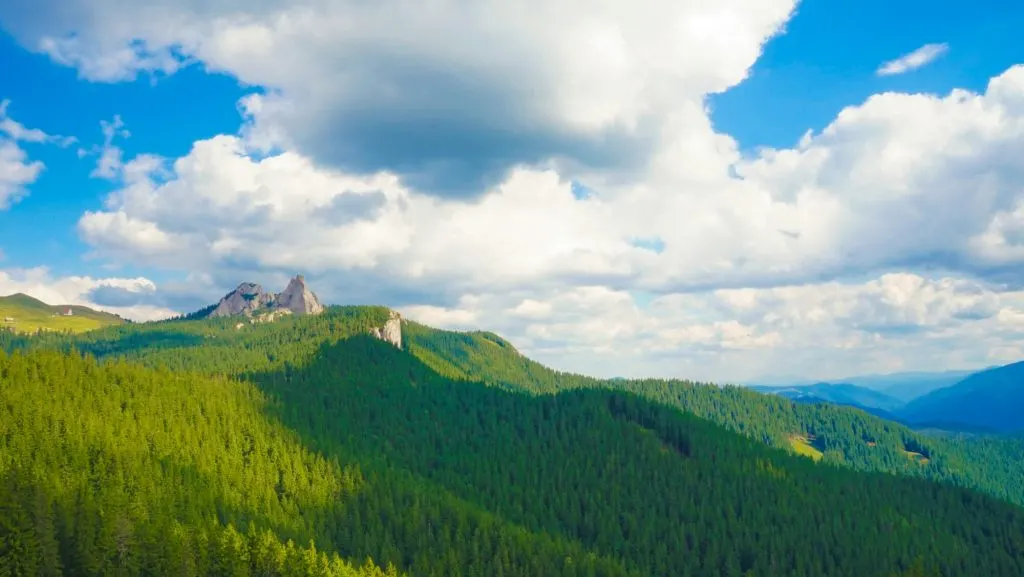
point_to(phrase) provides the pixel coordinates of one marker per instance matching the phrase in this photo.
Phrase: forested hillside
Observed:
(359, 449)
(841, 436)
(112, 469)
(838, 435)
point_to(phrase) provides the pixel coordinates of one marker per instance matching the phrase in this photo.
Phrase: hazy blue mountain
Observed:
(840, 394)
(989, 400)
(903, 387)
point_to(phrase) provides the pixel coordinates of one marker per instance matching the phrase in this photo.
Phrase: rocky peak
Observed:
(250, 299)
(298, 299)
(245, 299)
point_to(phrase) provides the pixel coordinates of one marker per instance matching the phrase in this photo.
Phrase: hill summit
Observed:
(250, 298)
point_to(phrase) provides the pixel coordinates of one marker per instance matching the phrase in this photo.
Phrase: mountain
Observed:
(990, 400)
(250, 299)
(23, 313)
(837, 435)
(909, 386)
(310, 445)
(840, 394)
(904, 386)
(866, 440)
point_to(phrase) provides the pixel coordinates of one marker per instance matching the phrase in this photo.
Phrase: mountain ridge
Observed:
(363, 450)
(990, 399)
(839, 393)
(23, 313)
(845, 436)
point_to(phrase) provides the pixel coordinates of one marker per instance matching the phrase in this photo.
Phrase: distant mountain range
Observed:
(987, 401)
(903, 386)
(840, 394)
(992, 399)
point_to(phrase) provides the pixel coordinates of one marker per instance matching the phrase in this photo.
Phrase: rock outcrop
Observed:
(391, 332)
(250, 299)
(298, 299)
(259, 306)
(244, 300)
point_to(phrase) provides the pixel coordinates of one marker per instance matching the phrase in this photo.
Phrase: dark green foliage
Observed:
(327, 437)
(848, 437)
(117, 469)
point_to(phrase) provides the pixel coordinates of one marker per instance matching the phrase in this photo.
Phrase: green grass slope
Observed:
(29, 315)
(355, 449)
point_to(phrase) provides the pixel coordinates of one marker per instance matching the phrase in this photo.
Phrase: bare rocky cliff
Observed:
(244, 300)
(298, 298)
(250, 299)
(391, 332)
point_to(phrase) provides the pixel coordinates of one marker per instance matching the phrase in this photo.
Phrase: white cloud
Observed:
(912, 61)
(17, 131)
(447, 95)
(425, 158)
(76, 290)
(895, 321)
(899, 180)
(16, 170)
(110, 162)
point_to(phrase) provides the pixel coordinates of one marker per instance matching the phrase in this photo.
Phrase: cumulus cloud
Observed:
(896, 182)
(831, 329)
(912, 61)
(109, 163)
(448, 97)
(81, 290)
(533, 167)
(16, 170)
(17, 131)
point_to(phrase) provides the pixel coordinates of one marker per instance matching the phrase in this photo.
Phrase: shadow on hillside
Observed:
(129, 344)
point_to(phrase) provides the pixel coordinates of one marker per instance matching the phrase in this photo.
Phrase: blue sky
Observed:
(165, 115)
(484, 223)
(828, 57)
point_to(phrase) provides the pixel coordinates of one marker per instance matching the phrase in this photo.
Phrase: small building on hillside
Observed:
(8, 320)
(69, 312)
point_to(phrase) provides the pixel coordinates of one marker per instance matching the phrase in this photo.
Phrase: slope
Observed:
(113, 469)
(842, 436)
(23, 313)
(362, 448)
(990, 399)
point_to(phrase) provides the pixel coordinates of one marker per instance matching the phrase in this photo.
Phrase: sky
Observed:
(744, 190)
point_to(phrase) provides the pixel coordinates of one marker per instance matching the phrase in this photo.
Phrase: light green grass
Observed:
(30, 315)
(801, 445)
(921, 459)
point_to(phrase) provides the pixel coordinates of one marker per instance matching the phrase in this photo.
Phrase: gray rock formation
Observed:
(245, 299)
(298, 299)
(250, 299)
(391, 331)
